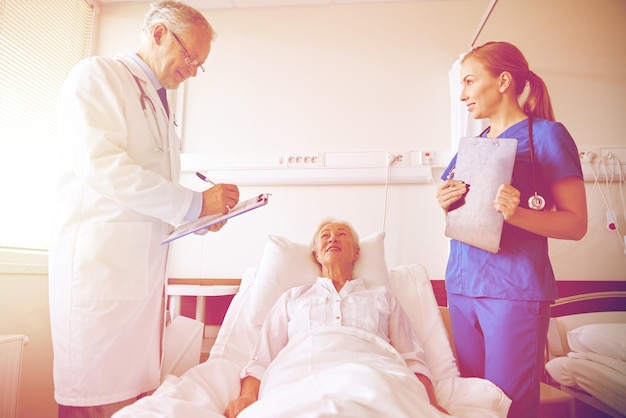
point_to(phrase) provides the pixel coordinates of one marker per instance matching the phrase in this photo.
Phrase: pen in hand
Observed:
(204, 178)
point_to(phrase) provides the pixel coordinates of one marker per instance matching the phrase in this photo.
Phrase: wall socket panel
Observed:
(619, 154)
(399, 158)
(426, 157)
(587, 156)
(433, 158)
(303, 160)
(603, 163)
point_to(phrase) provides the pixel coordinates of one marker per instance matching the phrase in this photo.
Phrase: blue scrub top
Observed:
(521, 269)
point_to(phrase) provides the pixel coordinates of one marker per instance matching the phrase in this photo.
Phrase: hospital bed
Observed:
(587, 349)
(206, 389)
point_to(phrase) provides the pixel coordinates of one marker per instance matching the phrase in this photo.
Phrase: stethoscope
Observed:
(153, 122)
(536, 201)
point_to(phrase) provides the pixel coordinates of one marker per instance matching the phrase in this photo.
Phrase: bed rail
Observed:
(614, 300)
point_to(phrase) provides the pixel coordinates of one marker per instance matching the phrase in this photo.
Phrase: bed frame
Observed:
(574, 311)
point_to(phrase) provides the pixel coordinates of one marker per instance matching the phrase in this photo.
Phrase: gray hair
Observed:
(327, 221)
(176, 16)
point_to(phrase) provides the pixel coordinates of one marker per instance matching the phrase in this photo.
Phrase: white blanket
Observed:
(344, 372)
(340, 372)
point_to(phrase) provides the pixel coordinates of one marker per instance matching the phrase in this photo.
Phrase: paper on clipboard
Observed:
(207, 221)
(484, 164)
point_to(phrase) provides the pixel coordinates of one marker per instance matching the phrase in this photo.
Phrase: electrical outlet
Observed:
(398, 158)
(311, 160)
(426, 157)
(616, 155)
(587, 156)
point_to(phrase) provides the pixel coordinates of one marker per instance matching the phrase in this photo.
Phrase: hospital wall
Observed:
(375, 77)
(353, 78)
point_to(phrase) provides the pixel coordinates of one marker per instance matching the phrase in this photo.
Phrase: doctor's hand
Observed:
(451, 192)
(507, 200)
(219, 199)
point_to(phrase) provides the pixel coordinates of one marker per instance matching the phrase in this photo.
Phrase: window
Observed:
(40, 41)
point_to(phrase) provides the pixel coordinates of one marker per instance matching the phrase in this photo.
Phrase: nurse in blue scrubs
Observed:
(500, 303)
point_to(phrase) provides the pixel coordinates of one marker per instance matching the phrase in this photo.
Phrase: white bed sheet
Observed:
(602, 377)
(205, 390)
(356, 375)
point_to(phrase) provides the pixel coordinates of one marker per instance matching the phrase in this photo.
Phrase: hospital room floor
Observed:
(560, 411)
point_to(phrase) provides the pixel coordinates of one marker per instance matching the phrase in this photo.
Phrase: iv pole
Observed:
(462, 123)
(482, 22)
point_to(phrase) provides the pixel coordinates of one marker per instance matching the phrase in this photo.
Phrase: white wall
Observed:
(375, 77)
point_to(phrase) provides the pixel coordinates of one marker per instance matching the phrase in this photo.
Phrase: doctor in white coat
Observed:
(118, 198)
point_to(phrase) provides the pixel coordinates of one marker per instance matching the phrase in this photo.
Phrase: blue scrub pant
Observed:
(503, 341)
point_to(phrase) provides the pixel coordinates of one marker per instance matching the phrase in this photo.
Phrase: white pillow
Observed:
(412, 286)
(286, 264)
(605, 339)
(559, 370)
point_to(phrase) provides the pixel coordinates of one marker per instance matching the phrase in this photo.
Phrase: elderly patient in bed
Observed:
(335, 312)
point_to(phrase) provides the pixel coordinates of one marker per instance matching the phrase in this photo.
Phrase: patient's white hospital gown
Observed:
(300, 310)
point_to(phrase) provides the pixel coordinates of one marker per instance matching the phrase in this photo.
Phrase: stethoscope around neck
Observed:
(153, 123)
(536, 201)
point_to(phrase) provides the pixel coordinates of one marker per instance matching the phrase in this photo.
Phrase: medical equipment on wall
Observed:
(609, 167)
(153, 123)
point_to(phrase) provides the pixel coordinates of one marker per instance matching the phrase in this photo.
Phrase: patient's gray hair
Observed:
(176, 17)
(327, 221)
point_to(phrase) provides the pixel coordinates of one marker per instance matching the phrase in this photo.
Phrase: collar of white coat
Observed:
(140, 69)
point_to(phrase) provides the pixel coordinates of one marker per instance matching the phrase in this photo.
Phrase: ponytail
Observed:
(538, 102)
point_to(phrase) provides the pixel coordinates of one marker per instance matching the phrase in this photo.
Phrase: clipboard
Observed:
(484, 164)
(206, 221)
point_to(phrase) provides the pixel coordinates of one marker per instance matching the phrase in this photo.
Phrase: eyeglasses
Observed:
(189, 60)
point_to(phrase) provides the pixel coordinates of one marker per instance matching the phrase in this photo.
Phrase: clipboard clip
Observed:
(450, 175)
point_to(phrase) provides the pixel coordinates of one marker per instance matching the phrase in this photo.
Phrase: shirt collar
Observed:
(147, 70)
(328, 283)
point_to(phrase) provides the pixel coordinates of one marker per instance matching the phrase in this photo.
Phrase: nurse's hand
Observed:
(506, 201)
(219, 199)
(450, 192)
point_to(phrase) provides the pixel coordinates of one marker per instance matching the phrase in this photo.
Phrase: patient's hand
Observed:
(237, 405)
(248, 395)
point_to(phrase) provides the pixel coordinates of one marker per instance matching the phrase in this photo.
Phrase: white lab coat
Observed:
(118, 199)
